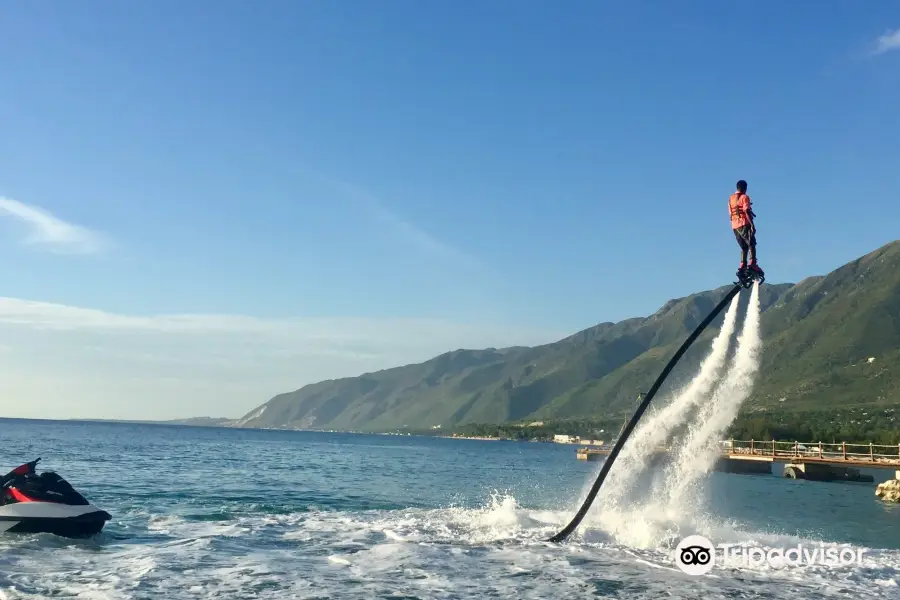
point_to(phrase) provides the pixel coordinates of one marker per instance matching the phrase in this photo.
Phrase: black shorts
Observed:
(746, 237)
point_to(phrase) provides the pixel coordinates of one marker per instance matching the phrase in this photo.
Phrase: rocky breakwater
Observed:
(889, 491)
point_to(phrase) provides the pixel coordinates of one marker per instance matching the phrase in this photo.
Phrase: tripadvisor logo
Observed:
(697, 555)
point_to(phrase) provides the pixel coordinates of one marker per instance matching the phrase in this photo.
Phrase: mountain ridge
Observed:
(813, 332)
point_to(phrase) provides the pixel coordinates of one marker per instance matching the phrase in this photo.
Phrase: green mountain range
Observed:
(829, 342)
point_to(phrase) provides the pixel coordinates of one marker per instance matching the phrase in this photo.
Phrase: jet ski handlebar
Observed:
(21, 470)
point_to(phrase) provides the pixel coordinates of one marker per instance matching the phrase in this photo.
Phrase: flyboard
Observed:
(745, 280)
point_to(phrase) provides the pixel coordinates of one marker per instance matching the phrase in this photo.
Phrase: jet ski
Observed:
(46, 503)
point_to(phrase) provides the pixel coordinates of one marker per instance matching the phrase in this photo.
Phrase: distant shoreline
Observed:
(211, 423)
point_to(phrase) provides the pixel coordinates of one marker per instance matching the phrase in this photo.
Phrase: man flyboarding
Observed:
(744, 229)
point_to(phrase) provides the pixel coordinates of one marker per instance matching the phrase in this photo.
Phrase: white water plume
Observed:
(700, 449)
(655, 429)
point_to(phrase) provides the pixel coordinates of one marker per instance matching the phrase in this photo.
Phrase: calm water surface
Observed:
(219, 513)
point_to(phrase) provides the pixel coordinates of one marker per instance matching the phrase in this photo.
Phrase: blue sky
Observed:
(404, 176)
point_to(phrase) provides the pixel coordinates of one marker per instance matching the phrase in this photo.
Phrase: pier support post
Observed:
(824, 472)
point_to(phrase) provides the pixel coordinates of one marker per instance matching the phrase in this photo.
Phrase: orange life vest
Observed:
(739, 209)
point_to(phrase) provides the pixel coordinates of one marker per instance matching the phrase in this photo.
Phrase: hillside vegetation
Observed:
(829, 342)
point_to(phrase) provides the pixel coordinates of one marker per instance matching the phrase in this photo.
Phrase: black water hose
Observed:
(607, 465)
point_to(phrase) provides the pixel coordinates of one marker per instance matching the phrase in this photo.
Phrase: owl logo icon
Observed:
(695, 555)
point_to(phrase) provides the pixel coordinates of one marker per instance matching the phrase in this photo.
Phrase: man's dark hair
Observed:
(742, 186)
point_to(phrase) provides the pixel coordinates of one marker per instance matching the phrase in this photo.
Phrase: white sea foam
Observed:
(496, 550)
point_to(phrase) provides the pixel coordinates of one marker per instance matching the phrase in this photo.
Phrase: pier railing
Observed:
(831, 452)
(842, 452)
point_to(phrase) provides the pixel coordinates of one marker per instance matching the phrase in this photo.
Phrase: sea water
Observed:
(228, 513)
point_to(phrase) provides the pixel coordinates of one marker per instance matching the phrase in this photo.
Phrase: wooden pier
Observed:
(592, 453)
(857, 455)
(817, 460)
(844, 454)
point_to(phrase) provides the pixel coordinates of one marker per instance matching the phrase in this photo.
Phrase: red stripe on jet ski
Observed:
(20, 497)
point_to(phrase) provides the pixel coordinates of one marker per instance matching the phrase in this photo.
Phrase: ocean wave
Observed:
(497, 549)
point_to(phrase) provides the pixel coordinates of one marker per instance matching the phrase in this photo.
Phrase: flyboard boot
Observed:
(746, 275)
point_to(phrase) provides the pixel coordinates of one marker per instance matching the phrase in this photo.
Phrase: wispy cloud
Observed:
(167, 366)
(51, 232)
(393, 332)
(887, 42)
(401, 227)
(425, 241)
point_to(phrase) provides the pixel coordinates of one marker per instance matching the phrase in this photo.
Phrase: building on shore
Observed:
(574, 439)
